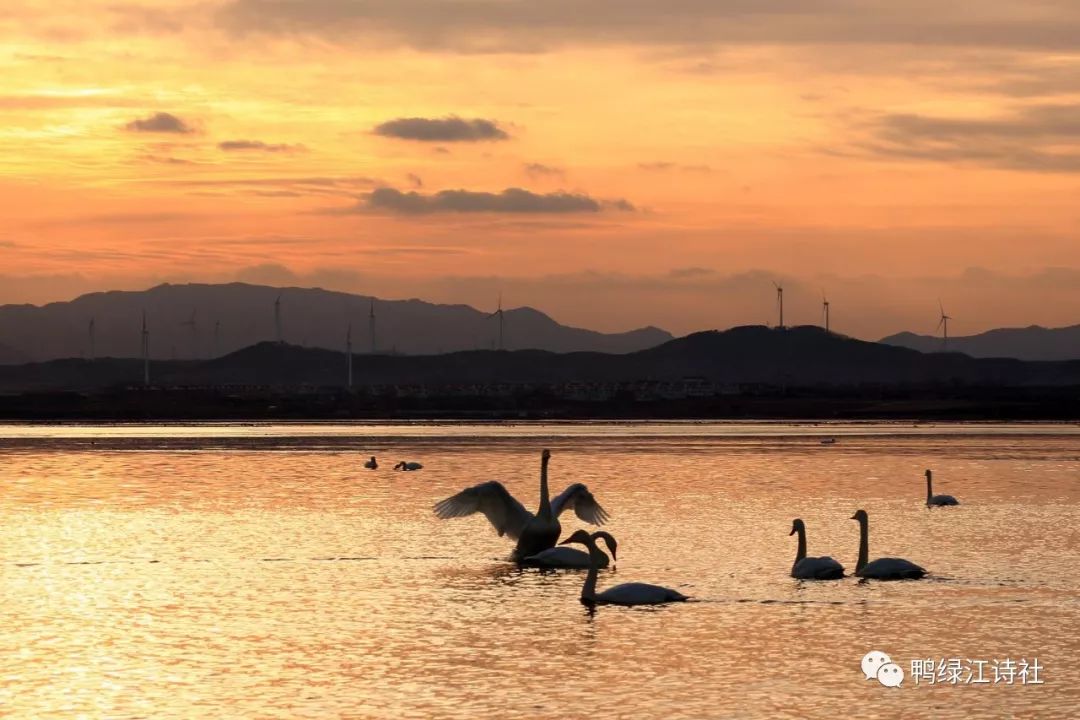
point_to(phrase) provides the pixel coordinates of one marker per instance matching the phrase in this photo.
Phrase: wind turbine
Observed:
(92, 348)
(825, 310)
(943, 325)
(191, 325)
(371, 325)
(277, 320)
(348, 355)
(145, 351)
(780, 304)
(499, 313)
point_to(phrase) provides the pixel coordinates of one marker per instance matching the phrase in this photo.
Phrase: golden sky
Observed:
(615, 163)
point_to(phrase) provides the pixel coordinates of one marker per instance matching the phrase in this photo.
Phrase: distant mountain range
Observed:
(205, 321)
(1030, 343)
(797, 357)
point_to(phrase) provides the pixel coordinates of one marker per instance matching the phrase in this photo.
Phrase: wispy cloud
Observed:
(259, 146)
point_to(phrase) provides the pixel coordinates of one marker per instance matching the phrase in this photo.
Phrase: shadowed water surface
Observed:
(260, 571)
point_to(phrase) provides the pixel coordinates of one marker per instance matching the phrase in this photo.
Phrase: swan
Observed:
(564, 557)
(403, 465)
(372, 464)
(933, 500)
(533, 533)
(882, 568)
(625, 594)
(812, 568)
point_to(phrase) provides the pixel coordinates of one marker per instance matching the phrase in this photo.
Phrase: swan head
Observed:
(579, 536)
(797, 526)
(861, 516)
(927, 473)
(609, 540)
(545, 455)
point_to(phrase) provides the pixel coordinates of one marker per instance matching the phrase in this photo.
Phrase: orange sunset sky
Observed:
(614, 163)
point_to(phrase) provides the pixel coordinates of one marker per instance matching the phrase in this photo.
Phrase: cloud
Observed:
(415, 180)
(1036, 138)
(160, 122)
(664, 166)
(539, 170)
(529, 26)
(447, 129)
(342, 186)
(511, 200)
(232, 145)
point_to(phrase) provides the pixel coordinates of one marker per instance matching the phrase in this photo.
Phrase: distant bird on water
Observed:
(372, 464)
(812, 568)
(533, 533)
(625, 594)
(933, 500)
(403, 465)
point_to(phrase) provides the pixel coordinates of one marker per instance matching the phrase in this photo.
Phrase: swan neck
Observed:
(545, 498)
(864, 545)
(929, 488)
(588, 590)
(801, 552)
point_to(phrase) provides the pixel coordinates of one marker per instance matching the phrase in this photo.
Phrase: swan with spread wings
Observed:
(533, 533)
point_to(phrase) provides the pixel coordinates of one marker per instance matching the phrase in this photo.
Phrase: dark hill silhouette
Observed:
(1030, 343)
(244, 315)
(801, 356)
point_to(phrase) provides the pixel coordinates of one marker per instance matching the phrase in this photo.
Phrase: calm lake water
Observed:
(259, 571)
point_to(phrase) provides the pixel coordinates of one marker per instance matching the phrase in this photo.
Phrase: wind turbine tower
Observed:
(371, 325)
(348, 356)
(145, 351)
(499, 313)
(943, 325)
(277, 320)
(825, 311)
(780, 304)
(92, 345)
(194, 330)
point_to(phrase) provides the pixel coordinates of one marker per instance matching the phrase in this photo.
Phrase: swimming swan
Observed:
(408, 466)
(565, 557)
(625, 594)
(882, 568)
(372, 464)
(533, 533)
(933, 500)
(812, 568)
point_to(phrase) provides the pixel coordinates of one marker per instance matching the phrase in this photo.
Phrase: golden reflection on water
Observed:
(261, 572)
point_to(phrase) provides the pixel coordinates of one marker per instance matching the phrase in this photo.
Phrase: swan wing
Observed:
(944, 500)
(562, 557)
(578, 497)
(892, 569)
(639, 594)
(506, 514)
(818, 568)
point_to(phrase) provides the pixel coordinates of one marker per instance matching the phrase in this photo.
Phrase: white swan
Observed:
(882, 568)
(625, 594)
(403, 465)
(372, 464)
(564, 557)
(533, 533)
(933, 500)
(812, 568)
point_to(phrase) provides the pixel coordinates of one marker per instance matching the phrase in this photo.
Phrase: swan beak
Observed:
(853, 517)
(792, 532)
(566, 542)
